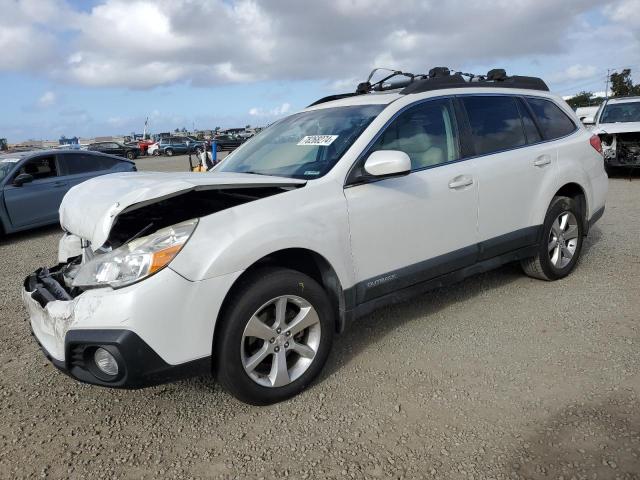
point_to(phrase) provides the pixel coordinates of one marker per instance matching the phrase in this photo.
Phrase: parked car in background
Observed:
(154, 149)
(179, 145)
(228, 142)
(33, 183)
(144, 146)
(587, 114)
(617, 123)
(130, 151)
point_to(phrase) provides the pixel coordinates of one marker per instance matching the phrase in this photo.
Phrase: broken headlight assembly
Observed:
(136, 259)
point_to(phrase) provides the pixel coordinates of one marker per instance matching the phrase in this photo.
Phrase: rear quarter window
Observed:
(553, 122)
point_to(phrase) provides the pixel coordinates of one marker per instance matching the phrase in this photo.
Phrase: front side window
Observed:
(425, 132)
(621, 112)
(305, 145)
(495, 123)
(40, 167)
(553, 122)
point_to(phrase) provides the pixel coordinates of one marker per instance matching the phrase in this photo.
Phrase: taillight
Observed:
(596, 143)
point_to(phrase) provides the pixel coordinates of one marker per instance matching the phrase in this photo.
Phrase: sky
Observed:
(100, 67)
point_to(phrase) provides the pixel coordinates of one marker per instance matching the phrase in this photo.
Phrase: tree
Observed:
(622, 85)
(584, 99)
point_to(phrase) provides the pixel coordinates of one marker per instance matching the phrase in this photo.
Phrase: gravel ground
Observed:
(177, 163)
(498, 377)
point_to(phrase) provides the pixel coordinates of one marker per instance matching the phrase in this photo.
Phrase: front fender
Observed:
(313, 218)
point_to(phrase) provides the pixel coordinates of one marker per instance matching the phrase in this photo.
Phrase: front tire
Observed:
(169, 152)
(131, 155)
(275, 336)
(561, 244)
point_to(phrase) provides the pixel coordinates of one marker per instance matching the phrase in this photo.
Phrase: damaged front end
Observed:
(621, 149)
(121, 230)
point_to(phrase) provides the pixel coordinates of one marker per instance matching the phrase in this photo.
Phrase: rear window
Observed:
(495, 123)
(553, 122)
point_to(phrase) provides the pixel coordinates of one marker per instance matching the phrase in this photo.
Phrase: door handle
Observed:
(542, 160)
(460, 181)
(59, 184)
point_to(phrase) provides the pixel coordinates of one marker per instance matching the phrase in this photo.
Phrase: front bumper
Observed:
(159, 329)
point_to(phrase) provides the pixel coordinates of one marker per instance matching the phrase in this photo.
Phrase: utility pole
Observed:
(606, 88)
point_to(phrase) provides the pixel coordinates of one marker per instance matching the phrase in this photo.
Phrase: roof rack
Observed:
(439, 78)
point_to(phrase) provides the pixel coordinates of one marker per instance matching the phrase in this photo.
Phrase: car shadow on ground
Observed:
(630, 174)
(372, 328)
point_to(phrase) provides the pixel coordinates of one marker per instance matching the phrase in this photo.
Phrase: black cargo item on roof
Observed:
(492, 81)
(440, 78)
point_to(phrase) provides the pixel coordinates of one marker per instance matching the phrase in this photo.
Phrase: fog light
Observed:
(105, 362)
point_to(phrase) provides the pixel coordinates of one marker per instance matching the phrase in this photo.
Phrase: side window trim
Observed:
(522, 104)
(351, 179)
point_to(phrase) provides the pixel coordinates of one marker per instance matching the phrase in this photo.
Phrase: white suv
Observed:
(356, 202)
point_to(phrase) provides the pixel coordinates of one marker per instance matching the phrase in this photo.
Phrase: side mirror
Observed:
(387, 163)
(588, 121)
(22, 179)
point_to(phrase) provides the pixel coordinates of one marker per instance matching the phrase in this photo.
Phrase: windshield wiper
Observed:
(251, 172)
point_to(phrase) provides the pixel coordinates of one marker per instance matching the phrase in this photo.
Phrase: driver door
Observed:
(37, 202)
(409, 229)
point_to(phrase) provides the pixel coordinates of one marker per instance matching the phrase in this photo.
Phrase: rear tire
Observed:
(169, 152)
(131, 155)
(561, 244)
(275, 336)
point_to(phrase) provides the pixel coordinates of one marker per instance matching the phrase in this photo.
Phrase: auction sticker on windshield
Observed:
(318, 140)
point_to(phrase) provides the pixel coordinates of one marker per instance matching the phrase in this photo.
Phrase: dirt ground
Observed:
(501, 376)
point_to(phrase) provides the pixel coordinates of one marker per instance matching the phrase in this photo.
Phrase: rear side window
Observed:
(553, 122)
(82, 163)
(495, 123)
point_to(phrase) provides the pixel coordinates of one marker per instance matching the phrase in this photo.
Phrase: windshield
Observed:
(621, 112)
(305, 145)
(6, 165)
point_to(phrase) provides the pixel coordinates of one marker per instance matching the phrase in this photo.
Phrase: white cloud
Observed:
(274, 112)
(47, 100)
(144, 43)
(574, 72)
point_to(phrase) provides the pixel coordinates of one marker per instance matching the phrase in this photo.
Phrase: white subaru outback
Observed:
(358, 201)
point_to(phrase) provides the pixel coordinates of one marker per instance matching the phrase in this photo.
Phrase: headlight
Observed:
(135, 260)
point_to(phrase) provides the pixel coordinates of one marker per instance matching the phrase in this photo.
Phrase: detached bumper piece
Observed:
(124, 360)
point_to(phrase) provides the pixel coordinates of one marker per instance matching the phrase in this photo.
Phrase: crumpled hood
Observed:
(620, 127)
(89, 209)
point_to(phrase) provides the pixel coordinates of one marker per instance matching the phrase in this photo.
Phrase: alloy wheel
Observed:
(280, 341)
(563, 239)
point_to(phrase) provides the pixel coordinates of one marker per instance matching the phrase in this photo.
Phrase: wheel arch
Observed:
(306, 261)
(578, 194)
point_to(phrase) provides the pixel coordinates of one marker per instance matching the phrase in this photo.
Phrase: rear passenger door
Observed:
(80, 166)
(512, 163)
